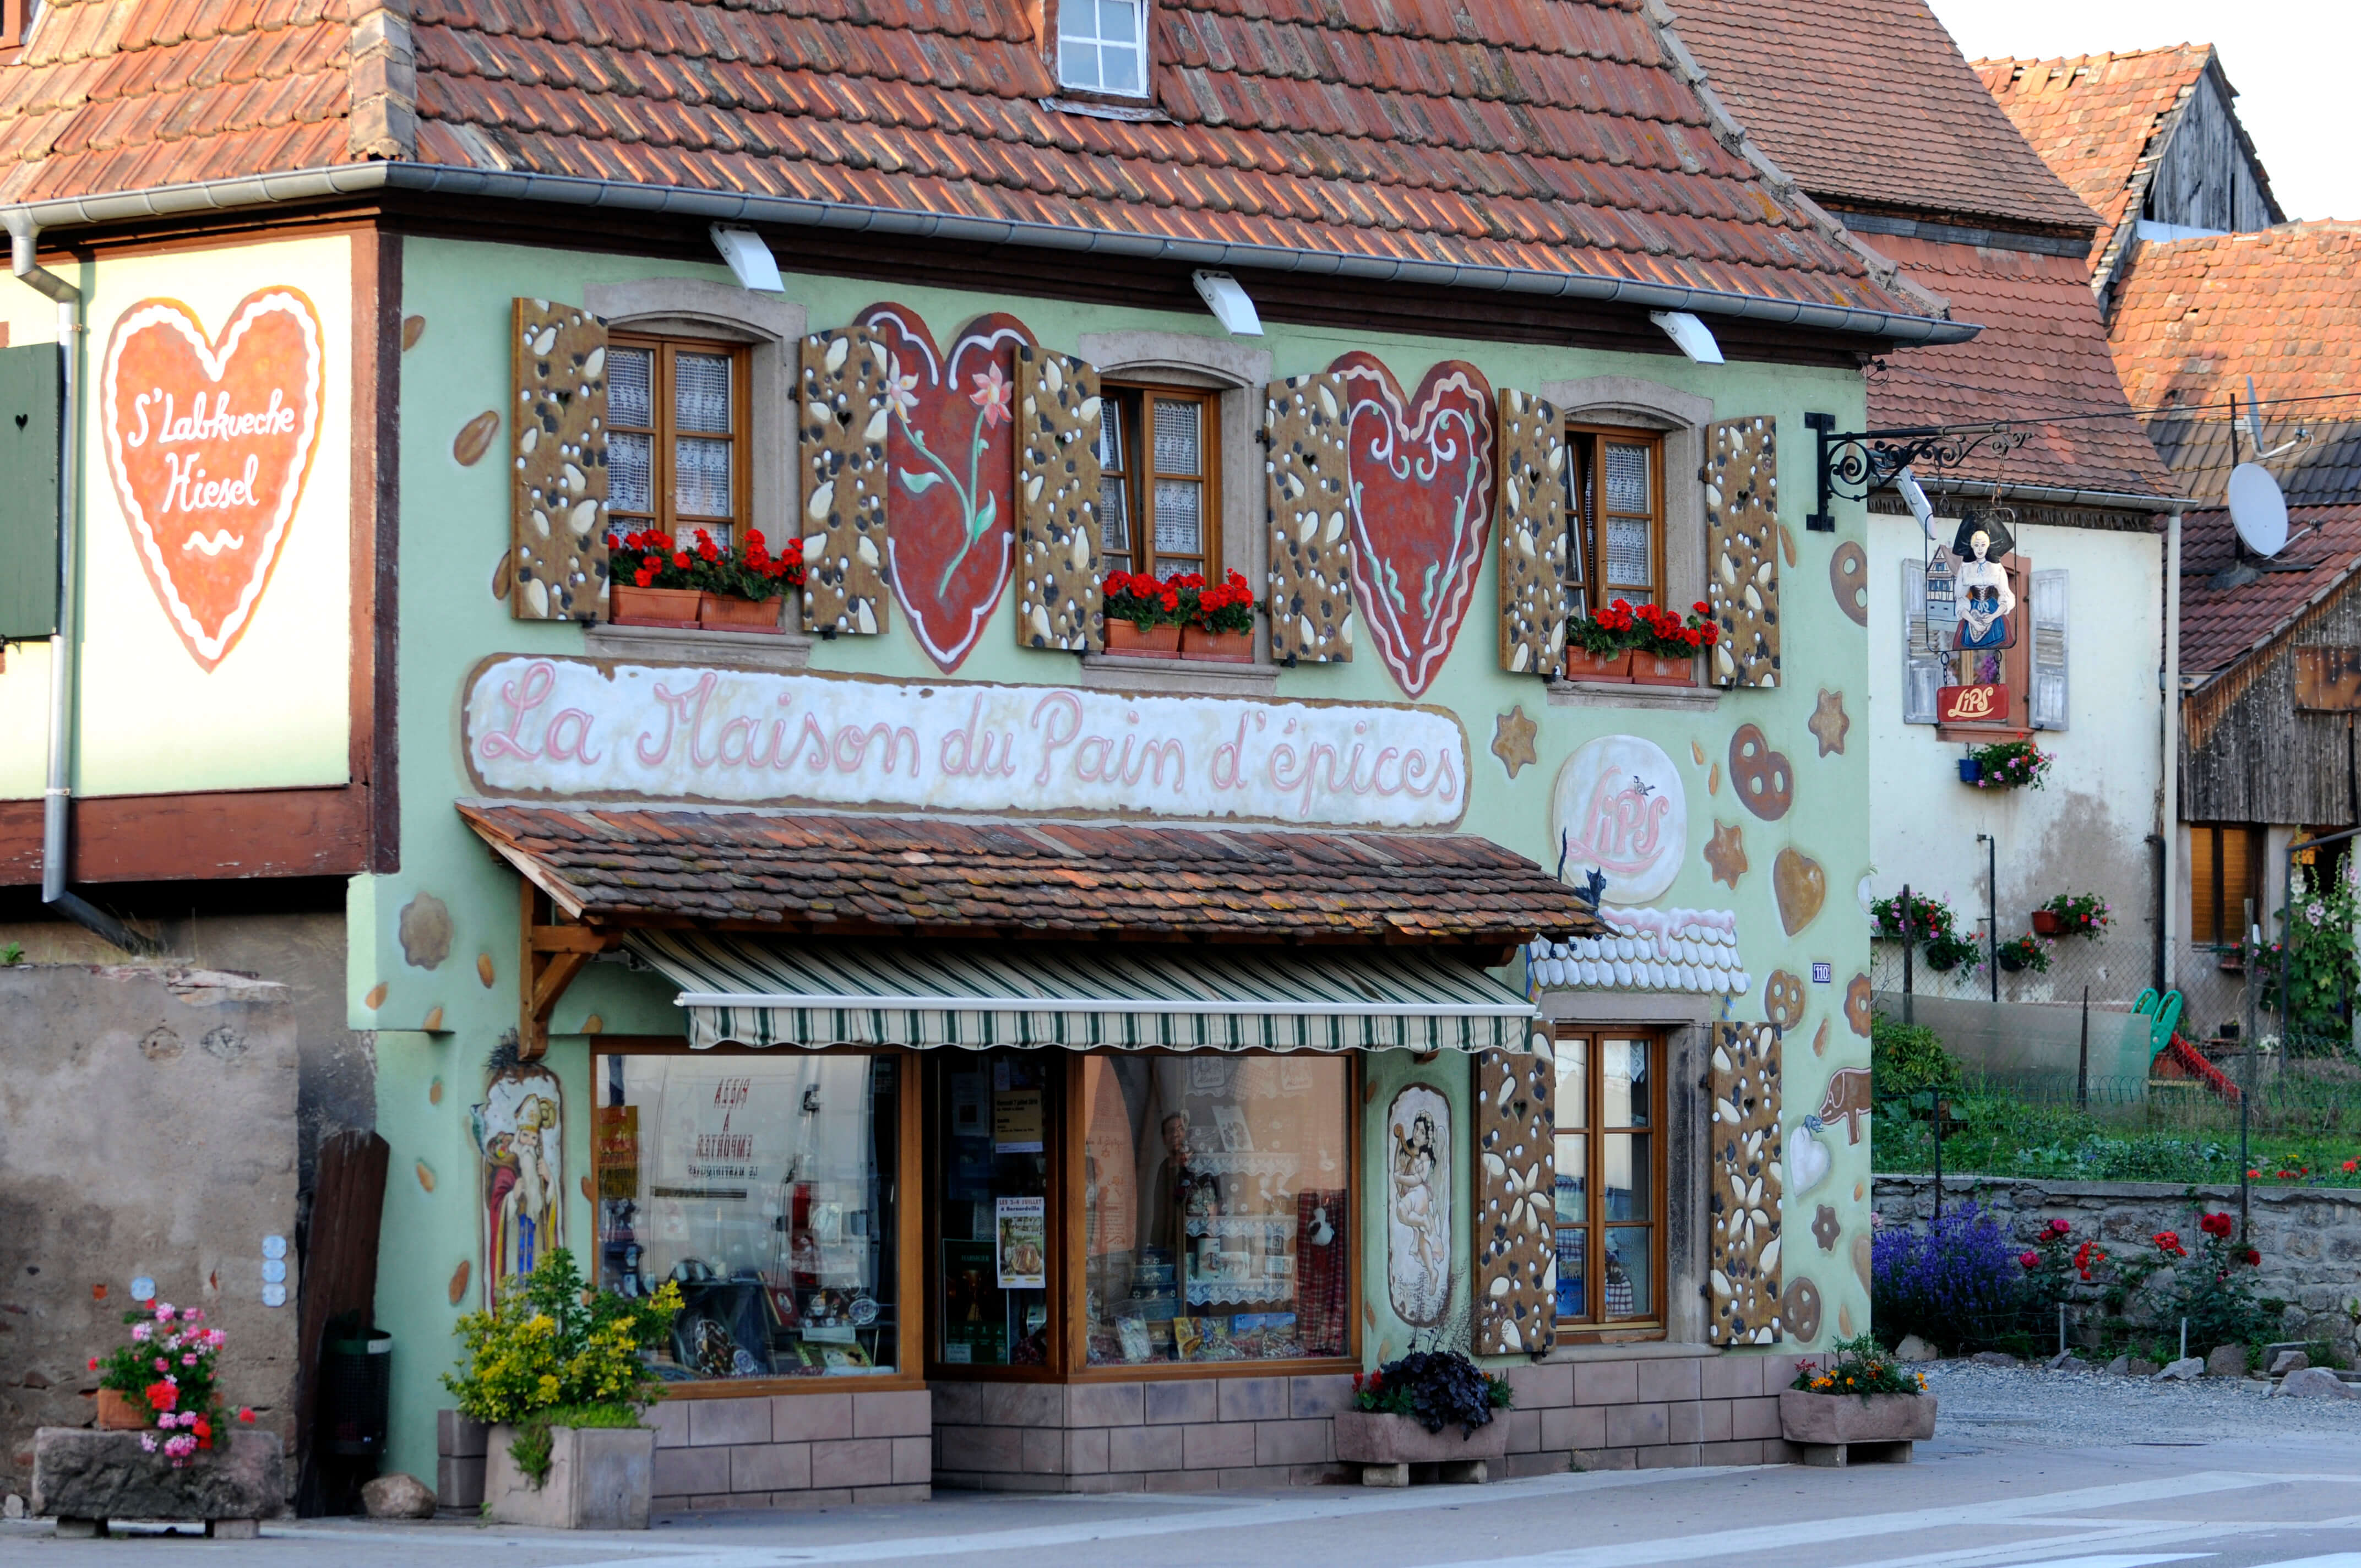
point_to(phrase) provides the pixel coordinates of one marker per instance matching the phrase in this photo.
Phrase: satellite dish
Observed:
(2257, 508)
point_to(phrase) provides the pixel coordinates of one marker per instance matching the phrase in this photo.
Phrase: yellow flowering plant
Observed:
(1857, 1365)
(550, 1351)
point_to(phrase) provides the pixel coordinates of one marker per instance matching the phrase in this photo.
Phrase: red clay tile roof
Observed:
(2220, 626)
(863, 873)
(2095, 118)
(1870, 104)
(2043, 352)
(1558, 136)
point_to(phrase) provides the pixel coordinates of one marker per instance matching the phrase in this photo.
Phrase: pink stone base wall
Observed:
(1647, 1414)
(793, 1451)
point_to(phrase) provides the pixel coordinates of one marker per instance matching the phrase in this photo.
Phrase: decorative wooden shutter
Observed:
(29, 393)
(1057, 501)
(842, 428)
(1533, 536)
(1922, 672)
(1516, 1199)
(2048, 706)
(558, 436)
(1741, 557)
(1311, 598)
(1743, 1237)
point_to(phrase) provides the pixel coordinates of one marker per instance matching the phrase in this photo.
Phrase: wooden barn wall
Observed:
(2205, 178)
(2260, 759)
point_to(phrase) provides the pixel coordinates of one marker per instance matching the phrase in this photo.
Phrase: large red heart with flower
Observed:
(209, 443)
(1419, 475)
(951, 492)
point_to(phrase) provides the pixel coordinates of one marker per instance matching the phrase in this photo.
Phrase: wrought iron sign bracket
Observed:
(1853, 463)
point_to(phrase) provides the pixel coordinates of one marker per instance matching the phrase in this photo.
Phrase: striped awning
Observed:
(759, 991)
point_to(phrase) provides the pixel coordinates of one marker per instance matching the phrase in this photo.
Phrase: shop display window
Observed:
(1610, 1182)
(767, 1187)
(996, 1120)
(1214, 1204)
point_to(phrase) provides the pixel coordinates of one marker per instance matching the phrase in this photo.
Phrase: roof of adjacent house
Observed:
(2219, 627)
(2042, 353)
(1561, 138)
(849, 874)
(1869, 102)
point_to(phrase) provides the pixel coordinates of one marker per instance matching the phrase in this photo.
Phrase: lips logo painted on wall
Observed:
(950, 504)
(209, 444)
(1421, 499)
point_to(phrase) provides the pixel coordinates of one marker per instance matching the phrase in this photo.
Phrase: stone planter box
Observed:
(84, 1478)
(1840, 1428)
(600, 1479)
(1386, 1446)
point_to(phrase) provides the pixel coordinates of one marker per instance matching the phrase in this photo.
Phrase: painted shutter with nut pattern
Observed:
(1744, 1187)
(1516, 1201)
(1310, 598)
(843, 415)
(1741, 556)
(1057, 501)
(1533, 536)
(558, 441)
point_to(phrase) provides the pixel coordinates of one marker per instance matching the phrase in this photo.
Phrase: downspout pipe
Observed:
(57, 797)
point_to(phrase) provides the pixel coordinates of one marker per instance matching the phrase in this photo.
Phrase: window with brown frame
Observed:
(2226, 877)
(1615, 515)
(1610, 1179)
(1095, 1214)
(17, 20)
(1160, 487)
(677, 454)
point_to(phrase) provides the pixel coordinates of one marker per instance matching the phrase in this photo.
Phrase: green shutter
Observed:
(28, 500)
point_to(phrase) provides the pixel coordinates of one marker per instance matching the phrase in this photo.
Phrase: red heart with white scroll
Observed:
(209, 442)
(1421, 478)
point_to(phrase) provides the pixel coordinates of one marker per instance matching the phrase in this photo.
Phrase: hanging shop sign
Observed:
(1971, 704)
(543, 726)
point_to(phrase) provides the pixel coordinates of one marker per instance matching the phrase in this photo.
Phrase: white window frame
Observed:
(1067, 33)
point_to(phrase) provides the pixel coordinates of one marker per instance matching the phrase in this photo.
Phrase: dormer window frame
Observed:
(16, 18)
(1055, 15)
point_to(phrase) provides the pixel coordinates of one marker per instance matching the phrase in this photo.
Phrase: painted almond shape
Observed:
(484, 969)
(460, 1280)
(376, 997)
(1801, 887)
(475, 438)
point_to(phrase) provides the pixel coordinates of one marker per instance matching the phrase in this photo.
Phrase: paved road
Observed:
(1974, 1500)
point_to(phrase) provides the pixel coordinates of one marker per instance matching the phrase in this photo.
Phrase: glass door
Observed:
(994, 1225)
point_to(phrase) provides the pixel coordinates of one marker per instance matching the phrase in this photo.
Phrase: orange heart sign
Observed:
(209, 444)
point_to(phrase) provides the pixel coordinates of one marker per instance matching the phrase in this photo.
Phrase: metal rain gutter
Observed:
(566, 190)
(57, 797)
(2050, 495)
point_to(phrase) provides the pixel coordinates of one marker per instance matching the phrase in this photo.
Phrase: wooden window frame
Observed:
(909, 1262)
(1139, 478)
(1586, 544)
(2016, 669)
(2208, 890)
(15, 21)
(1597, 1327)
(1069, 1360)
(666, 517)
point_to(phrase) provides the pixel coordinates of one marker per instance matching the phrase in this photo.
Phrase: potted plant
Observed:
(1221, 621)
(1948, 952)
(1931, 919)
(1666, 652)
(1972, 771)
(2006, 764)
(652, 581)
(556, 1371)
(743, 588)
(1404, 1413)
(160, 1382)
(2025, 953)
(1860, 1394)
(2072, 914)
(1142, 616)
(1598, 645)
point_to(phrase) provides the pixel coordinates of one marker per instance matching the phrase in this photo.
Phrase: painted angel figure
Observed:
(1414, 1198)
(1985, 600)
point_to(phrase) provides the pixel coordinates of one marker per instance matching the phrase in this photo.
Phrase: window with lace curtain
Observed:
(1615, 495)
(676, 450)
(1160, 489)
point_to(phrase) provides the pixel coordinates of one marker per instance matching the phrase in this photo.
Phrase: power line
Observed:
(2192, 414)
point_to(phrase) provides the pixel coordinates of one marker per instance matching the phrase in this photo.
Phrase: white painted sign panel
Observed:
(592, 730)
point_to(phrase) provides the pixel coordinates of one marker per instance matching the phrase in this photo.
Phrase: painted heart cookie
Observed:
(209, 442)
(1420, 472)
(1800, 887)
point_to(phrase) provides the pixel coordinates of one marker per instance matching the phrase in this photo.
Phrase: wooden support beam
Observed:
(548, 957)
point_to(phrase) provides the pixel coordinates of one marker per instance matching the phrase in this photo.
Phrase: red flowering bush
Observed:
(1225, 606)
(168, 1365)
(651, 558)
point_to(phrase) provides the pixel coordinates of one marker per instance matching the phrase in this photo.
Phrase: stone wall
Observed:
(1647, 1407)
(2310, 1236)
(147, 1122)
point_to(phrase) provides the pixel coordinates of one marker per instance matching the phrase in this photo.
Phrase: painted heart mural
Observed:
(1421, 501)
(951, 453)
(209, 442)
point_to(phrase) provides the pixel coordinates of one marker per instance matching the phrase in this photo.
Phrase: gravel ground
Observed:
(2084, 1410)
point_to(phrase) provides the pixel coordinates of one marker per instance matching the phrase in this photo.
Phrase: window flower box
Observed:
(1217, 647)
(628, 605)
(1664, 669)
(729, 612)
(1582, 664)
(1130, 640)
(1829, 1420)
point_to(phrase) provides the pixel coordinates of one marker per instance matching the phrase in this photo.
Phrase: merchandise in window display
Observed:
(996, 1125)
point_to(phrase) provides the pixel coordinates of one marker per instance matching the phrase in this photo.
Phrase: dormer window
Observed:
(1102, 45)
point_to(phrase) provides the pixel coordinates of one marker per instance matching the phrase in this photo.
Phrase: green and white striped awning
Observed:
(774, 991)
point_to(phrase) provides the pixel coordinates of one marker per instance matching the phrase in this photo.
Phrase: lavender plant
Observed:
(1955, 1284)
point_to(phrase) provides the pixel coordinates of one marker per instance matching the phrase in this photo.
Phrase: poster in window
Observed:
(615, 1151)
(1021, 1243)
(1418, 1205)
(1016, 1121)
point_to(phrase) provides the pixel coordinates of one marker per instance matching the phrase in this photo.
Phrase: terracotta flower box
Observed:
(1828, 1418)
(119, 1411)
(1664, 669)
(2048, 923)
(630, 604)
(1370, 1437)
(600, 1479)
(1130, 640)
(1217, 647)
(1582, 664)
(728, 613)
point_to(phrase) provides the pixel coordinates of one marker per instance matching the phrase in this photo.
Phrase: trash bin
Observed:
(356, 1384)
